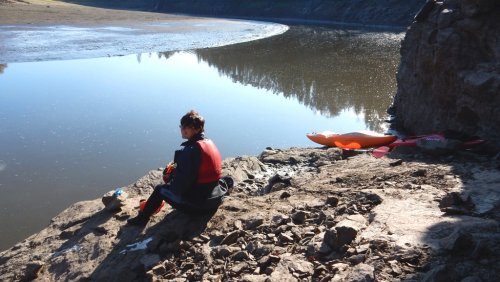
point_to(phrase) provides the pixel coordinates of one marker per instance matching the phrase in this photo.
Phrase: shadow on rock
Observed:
(140, 249)
(462, 217)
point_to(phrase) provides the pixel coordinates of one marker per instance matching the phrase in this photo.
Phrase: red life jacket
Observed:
(211, 167)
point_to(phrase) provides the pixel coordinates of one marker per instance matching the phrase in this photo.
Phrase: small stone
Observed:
(112, 201)
(332, 201)
(231, 237)
(269, 270)
(34, 268)
(285, 195)
(240, 256)
(299, 216)
(217, 236)
(458, 241)
(238, 225)
(256, 271)
(286, 238)
(66, 234)
(159, 270)
(187, 265)
(345, 231)
(263, 250)
(361, 272)
(237, 269)
(450, 200)
(327, 278)
(279, 219)
(420, 172)
(396, 163)
(356, 259)
(150, 275)
(204, 237)
(361, 249)
(251, 224)
(395, 267)
(101, 229)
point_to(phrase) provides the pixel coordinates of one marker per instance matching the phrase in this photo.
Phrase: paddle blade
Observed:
(380, 152)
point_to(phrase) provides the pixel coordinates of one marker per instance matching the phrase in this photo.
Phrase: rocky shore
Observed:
(297, 214)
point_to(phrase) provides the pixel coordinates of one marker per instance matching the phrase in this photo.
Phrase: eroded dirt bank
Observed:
(294, 215)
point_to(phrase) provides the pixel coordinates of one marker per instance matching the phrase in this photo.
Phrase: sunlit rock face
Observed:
(449, 75)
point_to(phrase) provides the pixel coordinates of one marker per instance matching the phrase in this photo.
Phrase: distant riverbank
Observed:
(366, 12)
(49, 30)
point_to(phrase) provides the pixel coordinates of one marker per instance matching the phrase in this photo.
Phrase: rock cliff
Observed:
(449, 75)
(371, 12)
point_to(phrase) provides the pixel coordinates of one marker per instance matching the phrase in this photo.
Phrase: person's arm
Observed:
(186, 173)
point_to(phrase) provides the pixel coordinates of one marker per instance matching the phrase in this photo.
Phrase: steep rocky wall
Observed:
(390, 12)
(449, 75)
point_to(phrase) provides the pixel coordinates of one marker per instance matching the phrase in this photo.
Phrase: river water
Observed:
(73, 130)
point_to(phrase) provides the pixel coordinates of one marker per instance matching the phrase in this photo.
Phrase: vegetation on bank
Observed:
(370, 12)
(390, 12)
(144, 5)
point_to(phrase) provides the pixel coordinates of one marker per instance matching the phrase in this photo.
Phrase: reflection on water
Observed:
(2, 67)
(74, 130)
(328, 70)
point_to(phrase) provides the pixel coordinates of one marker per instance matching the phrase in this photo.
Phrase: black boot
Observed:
(139, 220)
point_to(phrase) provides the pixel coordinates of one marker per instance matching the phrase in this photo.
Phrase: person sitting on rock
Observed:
(196, 187)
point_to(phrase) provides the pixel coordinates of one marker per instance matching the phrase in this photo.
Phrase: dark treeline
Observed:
(366, 12)
(373, 12)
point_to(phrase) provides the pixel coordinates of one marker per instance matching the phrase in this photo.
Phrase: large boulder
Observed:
(449, 75)
(296, 155)
(345, 231)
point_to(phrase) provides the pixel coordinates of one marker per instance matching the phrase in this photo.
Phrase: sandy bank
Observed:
(48, 30)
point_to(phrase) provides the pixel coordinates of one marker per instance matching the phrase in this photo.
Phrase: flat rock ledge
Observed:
(297, 214)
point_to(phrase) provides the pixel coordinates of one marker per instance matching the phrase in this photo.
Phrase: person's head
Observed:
(191, 124)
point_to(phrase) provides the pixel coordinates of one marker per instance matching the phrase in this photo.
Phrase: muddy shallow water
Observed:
(74, 129)
(25, 43)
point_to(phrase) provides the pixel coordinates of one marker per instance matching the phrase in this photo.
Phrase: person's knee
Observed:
(160, 186)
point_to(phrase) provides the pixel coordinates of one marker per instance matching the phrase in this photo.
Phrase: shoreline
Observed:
(109, 32)
(47, 31)
(299, 21)
(183, 29)
(395, 205)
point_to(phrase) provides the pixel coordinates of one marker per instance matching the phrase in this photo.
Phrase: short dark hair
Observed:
(192, 118)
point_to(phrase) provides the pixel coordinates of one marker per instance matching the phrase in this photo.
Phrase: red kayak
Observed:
(412, 140)
(352, 140)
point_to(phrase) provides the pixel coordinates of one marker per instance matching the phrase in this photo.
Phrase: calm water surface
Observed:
(74, 130)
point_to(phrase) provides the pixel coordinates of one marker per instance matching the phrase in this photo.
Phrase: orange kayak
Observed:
(353, 140)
